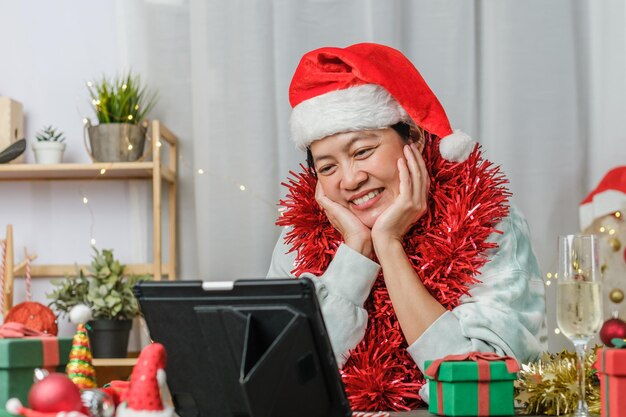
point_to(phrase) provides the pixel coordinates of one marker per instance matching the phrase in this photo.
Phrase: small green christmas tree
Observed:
(80, 367)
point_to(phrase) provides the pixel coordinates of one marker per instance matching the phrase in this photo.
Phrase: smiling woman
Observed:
(404, 227)
(359, 171)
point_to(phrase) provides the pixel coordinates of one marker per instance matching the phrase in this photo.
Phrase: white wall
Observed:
(52, 50)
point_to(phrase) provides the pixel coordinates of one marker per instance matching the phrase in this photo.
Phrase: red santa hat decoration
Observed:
(148, 395)
(366, 86)
(54, 395)
(608, 197)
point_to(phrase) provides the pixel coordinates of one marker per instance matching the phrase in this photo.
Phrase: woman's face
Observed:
(359, 170)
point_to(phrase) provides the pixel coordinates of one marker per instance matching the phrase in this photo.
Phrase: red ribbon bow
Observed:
(18, 330)
(482, 359)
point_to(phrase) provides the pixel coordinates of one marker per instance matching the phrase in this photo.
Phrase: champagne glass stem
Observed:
(580, 365)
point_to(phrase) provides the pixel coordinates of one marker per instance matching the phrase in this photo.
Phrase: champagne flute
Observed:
(578, 300)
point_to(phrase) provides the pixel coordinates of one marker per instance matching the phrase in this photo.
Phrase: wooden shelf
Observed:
(161, 171)
(55, 271)
(114, 362)
(94, 171)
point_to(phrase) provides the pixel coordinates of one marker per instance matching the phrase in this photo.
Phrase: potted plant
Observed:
(121, 106)
(49, 146)
(108, 292)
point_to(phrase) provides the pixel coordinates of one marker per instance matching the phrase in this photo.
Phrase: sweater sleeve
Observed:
(504, 313)
(341, 292)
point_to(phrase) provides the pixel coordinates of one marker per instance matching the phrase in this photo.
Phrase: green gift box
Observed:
(473, 384)
(19, 357)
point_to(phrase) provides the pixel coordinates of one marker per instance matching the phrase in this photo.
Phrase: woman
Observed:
(404, 226)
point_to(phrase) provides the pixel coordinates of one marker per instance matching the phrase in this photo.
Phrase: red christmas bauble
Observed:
(55, 393)
(611, 329)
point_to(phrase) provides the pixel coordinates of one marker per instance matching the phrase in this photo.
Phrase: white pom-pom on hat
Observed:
(457, 146)
(14, 406)
(80, 314)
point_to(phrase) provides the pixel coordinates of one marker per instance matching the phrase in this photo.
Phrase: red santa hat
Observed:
(14, 406)
(53, 395)
(366, 86)
(608, 197)
(147, 395)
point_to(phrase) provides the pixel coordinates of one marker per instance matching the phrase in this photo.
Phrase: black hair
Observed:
(401, 128)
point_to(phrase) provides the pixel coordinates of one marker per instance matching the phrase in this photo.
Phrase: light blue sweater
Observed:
(504, 313)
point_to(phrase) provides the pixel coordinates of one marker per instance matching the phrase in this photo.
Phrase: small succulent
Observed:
(105, 289)
(50, 134)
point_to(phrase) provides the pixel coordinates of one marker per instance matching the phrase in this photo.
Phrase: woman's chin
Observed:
(368, 220)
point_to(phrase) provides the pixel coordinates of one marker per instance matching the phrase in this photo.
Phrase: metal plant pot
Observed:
(109, 338)
(116, 142)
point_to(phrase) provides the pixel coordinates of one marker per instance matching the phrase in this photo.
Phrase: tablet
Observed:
(248, 348)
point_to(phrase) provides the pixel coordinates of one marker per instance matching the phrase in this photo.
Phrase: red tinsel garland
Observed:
(446, 246)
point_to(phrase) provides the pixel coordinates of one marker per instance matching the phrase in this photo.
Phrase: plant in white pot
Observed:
(49, 146)
(121, 106)
(108, 292)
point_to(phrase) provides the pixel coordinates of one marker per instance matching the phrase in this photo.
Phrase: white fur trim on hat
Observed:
(124, 411)
(457, 146)
(363, 107)
(602, 204)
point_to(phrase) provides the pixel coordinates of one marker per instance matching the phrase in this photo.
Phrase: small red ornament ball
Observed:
(55, 393)
(611, 329)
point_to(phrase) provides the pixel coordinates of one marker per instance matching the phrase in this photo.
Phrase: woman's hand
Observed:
(410, 204)
(355, 234)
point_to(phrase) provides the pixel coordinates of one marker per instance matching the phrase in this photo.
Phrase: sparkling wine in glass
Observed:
(579, 300)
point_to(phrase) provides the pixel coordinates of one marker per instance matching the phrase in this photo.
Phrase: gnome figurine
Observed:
(602, 213)
(148, 395)
(80, 367)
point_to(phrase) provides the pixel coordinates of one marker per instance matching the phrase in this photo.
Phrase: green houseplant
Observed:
(108, 292)
(49, 146)
(121, 105)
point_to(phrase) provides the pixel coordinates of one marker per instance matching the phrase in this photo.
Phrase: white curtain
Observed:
(540, 84)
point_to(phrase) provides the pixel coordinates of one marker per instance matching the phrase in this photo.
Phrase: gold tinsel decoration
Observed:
(550, 385)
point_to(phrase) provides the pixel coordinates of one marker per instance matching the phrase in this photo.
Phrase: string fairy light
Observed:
(85, 200)
(93, 219)
(234, 181)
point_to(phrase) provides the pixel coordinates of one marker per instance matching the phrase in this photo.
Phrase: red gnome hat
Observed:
(366, 86)
(147, 395)
(608, 197)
